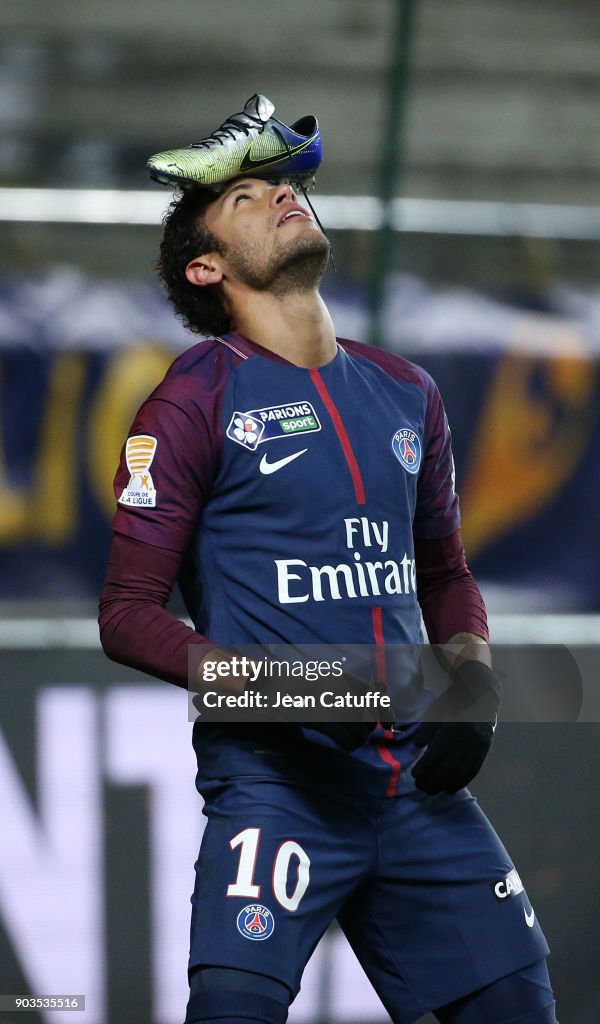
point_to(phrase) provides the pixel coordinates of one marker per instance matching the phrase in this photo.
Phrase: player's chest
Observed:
(320, 440)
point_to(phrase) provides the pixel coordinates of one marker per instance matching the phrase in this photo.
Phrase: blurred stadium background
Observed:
(460, 189)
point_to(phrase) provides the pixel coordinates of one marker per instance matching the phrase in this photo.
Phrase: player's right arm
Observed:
(135, 627)
(160, 496)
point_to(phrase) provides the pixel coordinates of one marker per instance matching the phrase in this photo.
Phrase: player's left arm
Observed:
(456, 622)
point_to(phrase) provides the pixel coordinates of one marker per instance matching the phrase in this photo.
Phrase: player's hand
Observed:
(456, 750)
(454, 756)
(234, 683)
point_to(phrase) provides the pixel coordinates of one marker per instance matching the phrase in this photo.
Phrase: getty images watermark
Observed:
(391, 683)
(284, 683)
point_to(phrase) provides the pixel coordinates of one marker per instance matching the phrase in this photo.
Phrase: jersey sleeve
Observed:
(165, 474)
(437, 511)
(450, 599)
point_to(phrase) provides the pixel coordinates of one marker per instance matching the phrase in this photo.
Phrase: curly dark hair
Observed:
(185, 236)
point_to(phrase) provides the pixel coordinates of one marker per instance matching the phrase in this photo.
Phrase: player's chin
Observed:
(303, 265)
(307, 243)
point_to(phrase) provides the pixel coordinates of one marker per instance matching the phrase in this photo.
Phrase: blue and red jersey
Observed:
(294, 494)
(294, 497)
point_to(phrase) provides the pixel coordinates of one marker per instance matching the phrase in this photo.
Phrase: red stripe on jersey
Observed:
(380, 665)
(342, 435)
(388, 734)
(387, 756)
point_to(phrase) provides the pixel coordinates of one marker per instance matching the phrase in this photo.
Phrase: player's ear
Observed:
(204, 270)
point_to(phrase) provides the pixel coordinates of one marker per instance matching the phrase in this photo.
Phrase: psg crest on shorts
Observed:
(255, 922)
(406, 446)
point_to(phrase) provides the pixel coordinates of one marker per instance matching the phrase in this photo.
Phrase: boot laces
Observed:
(232, 128)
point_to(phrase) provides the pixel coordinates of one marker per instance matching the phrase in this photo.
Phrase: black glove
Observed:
(456, 750)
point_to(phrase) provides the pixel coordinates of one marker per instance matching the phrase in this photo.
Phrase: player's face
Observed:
(270, 241)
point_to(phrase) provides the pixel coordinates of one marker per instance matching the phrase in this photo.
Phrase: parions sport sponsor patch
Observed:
(253, 427)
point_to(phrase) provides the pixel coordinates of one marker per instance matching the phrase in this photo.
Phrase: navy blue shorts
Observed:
(422, 887)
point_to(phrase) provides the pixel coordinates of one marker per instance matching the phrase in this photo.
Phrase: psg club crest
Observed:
(406, 446)
(255, 922)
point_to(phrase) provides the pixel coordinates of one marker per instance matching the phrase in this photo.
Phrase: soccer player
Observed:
(341, 529)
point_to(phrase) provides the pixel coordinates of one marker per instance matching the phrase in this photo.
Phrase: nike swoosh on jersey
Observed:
(267, 467)
(529, 917)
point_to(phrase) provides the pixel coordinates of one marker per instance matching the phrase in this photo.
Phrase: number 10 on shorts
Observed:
(289, 851)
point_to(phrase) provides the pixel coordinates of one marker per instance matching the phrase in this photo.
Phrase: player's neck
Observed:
(297, 327)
